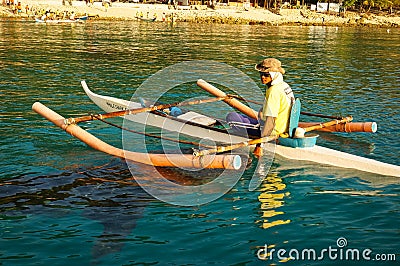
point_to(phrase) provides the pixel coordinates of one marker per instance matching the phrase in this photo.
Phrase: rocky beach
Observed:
(233, 14)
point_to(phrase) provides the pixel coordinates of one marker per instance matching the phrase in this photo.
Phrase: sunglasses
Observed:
(265, 74)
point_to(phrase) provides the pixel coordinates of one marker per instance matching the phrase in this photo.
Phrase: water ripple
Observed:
(64, 203)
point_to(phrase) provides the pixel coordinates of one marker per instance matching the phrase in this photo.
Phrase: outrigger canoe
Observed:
(146, 19)
(200, 126)
(57, 21)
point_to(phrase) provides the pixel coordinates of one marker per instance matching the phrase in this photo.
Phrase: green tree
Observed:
(368, 4)
(349, 3)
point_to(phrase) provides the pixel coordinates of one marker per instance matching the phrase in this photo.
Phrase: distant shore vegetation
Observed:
(387, 6)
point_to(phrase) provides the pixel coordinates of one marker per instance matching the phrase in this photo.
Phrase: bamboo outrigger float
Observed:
(170, 160)
(199, 126)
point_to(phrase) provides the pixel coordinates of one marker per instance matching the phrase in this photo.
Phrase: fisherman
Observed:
(279, 97)
(273, 117)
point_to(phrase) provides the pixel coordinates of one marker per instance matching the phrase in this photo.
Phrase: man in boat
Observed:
(279, 97)
(273, 117)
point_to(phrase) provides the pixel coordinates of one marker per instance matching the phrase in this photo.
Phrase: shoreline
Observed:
(200, 14)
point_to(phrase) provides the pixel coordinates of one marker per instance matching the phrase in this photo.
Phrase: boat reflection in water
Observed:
(272, 198)
(107, 195)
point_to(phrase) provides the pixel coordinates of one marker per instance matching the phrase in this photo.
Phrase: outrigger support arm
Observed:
(300, 131)
(76, 120)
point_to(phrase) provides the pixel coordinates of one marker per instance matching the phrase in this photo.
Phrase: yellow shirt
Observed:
(277, 104)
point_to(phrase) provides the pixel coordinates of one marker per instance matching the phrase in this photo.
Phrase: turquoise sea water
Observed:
(63, 203)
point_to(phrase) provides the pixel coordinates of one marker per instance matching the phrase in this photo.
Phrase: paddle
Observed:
(233, 103)
(220, 149)
(229, 100)
(75, 120)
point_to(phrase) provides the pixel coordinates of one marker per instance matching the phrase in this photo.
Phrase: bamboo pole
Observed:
(86, 118)
(229, 100)
(233, 101)
(346, 127)
(327, 124)
(169, 160)
(220, 149)
(299, 133)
